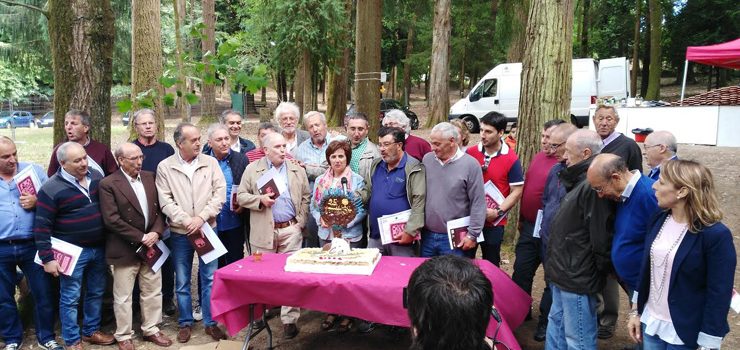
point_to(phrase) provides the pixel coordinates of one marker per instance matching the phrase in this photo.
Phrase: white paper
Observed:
(385, 222)
(28, 172)
(218, 247)
(66, 254)
(461, 222)
(273, 174)
(165, 253)
(735, 301)
(537, 224)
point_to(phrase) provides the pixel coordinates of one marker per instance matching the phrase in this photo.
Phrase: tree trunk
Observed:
(183, 108)
(584, 28)
(546, 72)
(297, 88)
(636, 50)
(208, 45)
(146, 57)
(82, 35)
(406, 65)
(656, 18)
(307, 82)
(338, 80)
(645, 54)
(367, 61)
(440, 64)
(519, 31)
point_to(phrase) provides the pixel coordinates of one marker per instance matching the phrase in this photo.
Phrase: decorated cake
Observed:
(317, 260)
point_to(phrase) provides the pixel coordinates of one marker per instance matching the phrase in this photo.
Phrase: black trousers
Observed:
(528, 259)
(491, 246)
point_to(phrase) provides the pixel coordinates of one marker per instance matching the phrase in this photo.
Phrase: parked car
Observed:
(47, 121)
(387, 104)
(15, 119)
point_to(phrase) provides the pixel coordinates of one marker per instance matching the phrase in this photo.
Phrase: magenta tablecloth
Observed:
(377, 298)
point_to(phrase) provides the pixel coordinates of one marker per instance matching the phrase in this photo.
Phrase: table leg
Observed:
(251, 328)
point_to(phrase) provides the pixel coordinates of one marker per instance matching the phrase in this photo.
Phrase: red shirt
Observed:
(504, 170)
(535, 185)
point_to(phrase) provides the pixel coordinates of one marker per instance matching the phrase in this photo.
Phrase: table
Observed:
(238, 287)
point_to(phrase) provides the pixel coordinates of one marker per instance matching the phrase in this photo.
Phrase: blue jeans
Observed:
(435, 244)
(90, 268)
(11, 328)
(572, 321)
(182, 257)
(653, 342)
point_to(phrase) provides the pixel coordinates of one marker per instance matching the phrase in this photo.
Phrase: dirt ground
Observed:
(724, 162)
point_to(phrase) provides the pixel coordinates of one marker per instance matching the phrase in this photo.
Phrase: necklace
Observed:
(663, 263)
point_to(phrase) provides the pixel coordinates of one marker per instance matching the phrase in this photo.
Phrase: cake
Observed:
(317, 260)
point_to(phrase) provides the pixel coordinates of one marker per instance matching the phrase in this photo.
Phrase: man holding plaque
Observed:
(276, 221)
(17, 249)
(456, 191)
(400, 185)
(230, 221)
(501, 167)
(130, 209)
(192, 191)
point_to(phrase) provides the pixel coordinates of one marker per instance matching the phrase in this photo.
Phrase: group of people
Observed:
(600, 222)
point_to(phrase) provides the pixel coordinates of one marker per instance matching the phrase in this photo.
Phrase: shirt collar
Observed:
(131, 179)
(364, 141)
(631, 185)
(503, 150)
(455, 157)
(611, 138)
(270, 165)
(183, 162)
(67, 176)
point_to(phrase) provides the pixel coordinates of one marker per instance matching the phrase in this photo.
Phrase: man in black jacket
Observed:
(578, 251)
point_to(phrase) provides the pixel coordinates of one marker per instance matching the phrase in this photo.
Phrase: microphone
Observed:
(344, 185)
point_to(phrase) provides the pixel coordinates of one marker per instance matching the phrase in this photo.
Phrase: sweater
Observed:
(99, 152)
(534, 186)
(64, 212)
(626, 148)
(551, 197)
(455, 190)
(417, 147)
(630, 229)
(153, 154)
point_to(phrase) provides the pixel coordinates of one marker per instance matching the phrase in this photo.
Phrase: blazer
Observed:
(260, 217)
(124, 218)
(700, 287)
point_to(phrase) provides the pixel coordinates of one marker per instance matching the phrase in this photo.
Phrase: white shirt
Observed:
(631, 185)
(189, 168)
(140, 192)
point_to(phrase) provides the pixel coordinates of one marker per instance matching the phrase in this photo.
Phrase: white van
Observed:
(499, 90)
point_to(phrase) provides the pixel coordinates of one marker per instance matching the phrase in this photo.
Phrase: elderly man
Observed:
(76, 129)
(364, 152)
(68, 210)
(659, 147)
(415, 146)
(230, 221)
(192, 191)
(287, 115)
(232, 120)
(130, 209)
(17, 249)
(154, 152)
(312, 155)
(636, 204)
(276, 223)
(397, 183)
(578, 251)
(457, 184)
(528, 247)
(605, 120)
(502, 168)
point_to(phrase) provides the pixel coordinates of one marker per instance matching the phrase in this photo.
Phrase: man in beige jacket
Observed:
(192, 191)
(276, 223)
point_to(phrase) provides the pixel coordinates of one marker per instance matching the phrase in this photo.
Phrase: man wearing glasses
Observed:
(500, 166)
(659, 147)
(400, 184)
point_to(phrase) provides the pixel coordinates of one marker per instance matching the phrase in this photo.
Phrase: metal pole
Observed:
(683, 85)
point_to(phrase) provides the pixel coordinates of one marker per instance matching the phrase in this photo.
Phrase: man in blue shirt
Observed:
(659, 147)
(17, 249)
(397, 183)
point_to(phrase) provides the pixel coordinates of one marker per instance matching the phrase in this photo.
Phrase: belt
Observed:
(285, 224)
(16, 241)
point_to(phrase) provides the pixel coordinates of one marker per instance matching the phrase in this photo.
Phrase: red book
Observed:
(201, 243)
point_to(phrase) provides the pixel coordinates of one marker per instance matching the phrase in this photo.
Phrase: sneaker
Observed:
(51, 345)
(541, 333)
(197, 313)
(12, 346)
(364, 326)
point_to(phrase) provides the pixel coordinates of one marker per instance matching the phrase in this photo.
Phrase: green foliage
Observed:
(24, 44)
(16, 85)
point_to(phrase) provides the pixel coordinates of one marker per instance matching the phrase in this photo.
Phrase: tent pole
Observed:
(683, 85)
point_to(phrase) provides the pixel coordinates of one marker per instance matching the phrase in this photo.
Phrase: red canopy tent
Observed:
(726, 55)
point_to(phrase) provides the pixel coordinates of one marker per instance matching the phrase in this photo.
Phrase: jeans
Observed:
(435, 244)
(491, 246)
(11, 328)
(653, 342)
(91, 268)
(572, 321)
(182, 257)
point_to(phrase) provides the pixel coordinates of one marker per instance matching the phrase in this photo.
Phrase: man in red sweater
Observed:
(76, 129)
(415, 146)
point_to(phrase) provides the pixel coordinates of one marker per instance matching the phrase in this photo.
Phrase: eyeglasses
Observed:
(134, 158)
(486, 162)
(386, 144)
(651, 146)
(600, 189)
(554, 146)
